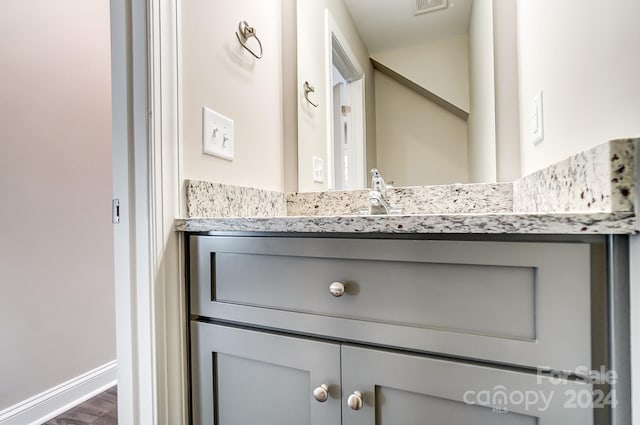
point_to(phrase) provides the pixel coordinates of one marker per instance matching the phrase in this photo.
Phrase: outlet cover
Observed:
(217, 134)
(537, 122)
(318, 170)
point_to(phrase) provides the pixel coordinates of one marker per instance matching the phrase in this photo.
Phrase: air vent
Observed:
(426, 6)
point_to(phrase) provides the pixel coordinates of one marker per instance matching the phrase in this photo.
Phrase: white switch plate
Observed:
(217, 134)
(537, 123)
(318, 170)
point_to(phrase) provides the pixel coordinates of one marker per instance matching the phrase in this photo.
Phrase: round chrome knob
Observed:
(321, 393)
(355, 400)
(336, 289)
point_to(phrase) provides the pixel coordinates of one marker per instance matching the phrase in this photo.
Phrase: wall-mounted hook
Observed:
(309, 89)
(245, 33)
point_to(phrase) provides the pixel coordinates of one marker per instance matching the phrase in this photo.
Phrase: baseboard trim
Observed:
(50, 403)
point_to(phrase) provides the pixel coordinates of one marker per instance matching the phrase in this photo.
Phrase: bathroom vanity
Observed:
(461, 317)
(418, 327)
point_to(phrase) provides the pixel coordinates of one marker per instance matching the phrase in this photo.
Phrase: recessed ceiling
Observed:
(391, 24)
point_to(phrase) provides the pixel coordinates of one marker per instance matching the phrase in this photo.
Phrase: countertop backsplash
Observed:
(206, 199)
(598, 180)
(443, 199)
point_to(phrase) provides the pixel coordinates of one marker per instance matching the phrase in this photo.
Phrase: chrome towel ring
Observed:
(245, 33)
(309, 89)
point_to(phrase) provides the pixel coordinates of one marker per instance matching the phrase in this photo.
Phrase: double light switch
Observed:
(217, 134)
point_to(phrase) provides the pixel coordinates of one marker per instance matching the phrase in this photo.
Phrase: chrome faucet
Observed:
(378, 200)
(377, 182)
(378, 195)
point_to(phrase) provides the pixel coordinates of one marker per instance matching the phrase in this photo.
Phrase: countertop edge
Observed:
(480, 223)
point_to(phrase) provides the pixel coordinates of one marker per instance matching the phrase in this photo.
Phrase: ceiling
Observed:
(391, 24)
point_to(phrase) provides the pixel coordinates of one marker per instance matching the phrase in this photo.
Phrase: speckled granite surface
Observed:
(589, 193)
(563, 223)
(205, 199)
(444, 199)
(598, 180)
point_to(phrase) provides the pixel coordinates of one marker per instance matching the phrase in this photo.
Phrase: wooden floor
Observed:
(99, 410)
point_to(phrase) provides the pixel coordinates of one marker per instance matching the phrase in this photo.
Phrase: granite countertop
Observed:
(593, 192)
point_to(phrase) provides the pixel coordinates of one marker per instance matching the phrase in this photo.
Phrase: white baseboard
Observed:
(49, 404)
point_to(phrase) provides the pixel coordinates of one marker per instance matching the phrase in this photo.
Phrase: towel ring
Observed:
(246, 32)
(309, 89)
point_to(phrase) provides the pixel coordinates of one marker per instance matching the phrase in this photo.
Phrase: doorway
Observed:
(346, 146)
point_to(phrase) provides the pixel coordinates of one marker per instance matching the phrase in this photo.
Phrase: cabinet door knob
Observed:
(355, 400)
(336, 289)
(321, 393)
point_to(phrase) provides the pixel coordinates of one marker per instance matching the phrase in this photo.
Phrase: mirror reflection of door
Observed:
(347, 136)
(340, 131)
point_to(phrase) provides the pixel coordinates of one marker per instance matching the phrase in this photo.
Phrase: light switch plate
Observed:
(217, 134)
(537, 123)
(318, 170)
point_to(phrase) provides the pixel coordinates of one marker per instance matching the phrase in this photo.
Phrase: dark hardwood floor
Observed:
(99, 410)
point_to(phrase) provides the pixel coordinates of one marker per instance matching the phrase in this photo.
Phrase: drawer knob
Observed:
(355, 400)
(321, 393)
(336, 289)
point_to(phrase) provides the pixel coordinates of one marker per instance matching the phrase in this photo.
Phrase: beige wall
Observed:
(442, 67)
(57, 317)
(312, 122)
(418, 142)
(218, 73)
(584, 56)
(482, 118)
(505, 38)
(290, 94)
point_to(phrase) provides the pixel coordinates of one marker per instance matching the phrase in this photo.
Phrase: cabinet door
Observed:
(242, 377)
(403, 389)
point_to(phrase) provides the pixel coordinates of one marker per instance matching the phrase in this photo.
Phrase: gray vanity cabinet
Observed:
(428, 332)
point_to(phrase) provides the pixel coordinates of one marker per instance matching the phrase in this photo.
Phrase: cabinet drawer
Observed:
(512, 302)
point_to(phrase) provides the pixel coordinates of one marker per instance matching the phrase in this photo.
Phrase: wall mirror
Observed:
(394, 83)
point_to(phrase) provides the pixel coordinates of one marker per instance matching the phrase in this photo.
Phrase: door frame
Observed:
(147, 176)
(356, 93)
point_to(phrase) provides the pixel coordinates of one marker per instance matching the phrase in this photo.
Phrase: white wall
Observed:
(441, 66)
(482, 118)
(312, 122)
(584, 56)
(418, 142)
(218, 73)
(57, 316)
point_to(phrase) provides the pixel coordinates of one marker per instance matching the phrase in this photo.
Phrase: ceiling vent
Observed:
(426, 6)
